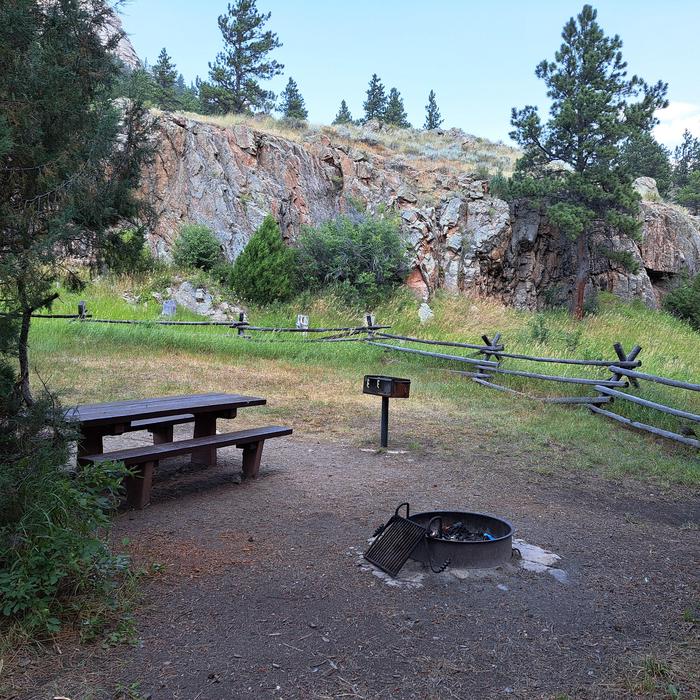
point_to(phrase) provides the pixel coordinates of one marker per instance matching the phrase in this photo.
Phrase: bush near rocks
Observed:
(265, 271)
(362, 260)
(126, 251)
(197, 246)
(684, 301)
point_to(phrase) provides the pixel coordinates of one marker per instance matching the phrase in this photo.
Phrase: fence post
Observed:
(487, 355)
(370, 323)
(82, 310)
(622, 357)
(302, 323)
(241, 321)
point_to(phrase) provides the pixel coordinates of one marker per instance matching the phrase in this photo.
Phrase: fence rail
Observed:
(623, 370)
(623, 376)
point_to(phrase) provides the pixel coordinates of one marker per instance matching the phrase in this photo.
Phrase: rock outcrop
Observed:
(124, 49)
(112, 26)
(462, 238)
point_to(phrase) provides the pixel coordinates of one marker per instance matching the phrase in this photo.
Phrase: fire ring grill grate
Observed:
(394, 543)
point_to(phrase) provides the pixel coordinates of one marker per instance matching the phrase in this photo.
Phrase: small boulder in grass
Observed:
(425, 313)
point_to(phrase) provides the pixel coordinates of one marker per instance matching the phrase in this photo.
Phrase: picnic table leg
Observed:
(204, 425)
(162, 434)
(90, 442)
(251, 459)
(138, 487)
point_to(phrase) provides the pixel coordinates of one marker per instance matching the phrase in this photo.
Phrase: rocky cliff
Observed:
(462, 238)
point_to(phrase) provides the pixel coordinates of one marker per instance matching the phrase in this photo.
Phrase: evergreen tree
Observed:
(375, 104)
(432, 113)
(165, 77)
(292, 106)
(343, 116)
(395, 114)
(687, 159)
(264, 271)
(70, 157)
(572, 162)
(643, 156)
(236, 73)
(689, 194)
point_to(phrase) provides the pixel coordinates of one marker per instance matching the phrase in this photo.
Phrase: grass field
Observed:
(310, 381)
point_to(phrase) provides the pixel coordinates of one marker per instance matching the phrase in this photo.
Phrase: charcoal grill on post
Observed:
(387, 388)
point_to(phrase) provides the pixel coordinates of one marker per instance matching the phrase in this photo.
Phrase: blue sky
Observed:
(478, 56)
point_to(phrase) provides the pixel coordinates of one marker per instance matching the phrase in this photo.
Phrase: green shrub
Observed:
(684, 301)
(53, 523)
(624, 258)
(362, 261)
(126, 251)
(266, 269)
(197, 246)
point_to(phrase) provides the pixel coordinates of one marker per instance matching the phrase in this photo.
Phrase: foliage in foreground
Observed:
(362, 261)
(70, 156)
(265, 271)
(684, 301)
(53, 523)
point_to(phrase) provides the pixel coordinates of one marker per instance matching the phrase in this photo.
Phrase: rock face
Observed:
(124, 49)
(462, 238)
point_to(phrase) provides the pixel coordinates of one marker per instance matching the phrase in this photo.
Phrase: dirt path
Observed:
(262, 594)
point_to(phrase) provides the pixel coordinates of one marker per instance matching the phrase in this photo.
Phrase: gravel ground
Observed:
(263, 592)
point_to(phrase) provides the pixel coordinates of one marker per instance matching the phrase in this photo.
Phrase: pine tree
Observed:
(375, 104)
(234, 76)
(572, 162)
(70, 157)
(643, 156)
(432, 113)
(165, 77)
(689, 194)
(687, 159)
(343, 116)
(264, 271)
(395, 114)
(292, 106)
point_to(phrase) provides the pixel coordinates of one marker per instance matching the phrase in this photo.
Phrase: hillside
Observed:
(229, 172)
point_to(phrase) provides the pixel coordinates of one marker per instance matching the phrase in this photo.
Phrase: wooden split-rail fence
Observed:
(486, 367)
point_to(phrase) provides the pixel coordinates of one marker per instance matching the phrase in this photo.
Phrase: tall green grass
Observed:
(669, 348)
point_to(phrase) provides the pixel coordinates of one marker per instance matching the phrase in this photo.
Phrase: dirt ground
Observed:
(262, 592)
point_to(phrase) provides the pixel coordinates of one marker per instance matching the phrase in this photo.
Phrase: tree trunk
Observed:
(22, 387)
(582, 276)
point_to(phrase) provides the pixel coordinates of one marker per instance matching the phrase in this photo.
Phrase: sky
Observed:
(478, 55)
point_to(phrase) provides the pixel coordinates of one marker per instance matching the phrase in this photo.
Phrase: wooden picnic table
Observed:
(118, 417)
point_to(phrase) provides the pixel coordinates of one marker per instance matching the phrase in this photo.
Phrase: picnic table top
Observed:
(122, 411)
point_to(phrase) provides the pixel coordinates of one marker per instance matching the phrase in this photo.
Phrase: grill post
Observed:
(385, 422)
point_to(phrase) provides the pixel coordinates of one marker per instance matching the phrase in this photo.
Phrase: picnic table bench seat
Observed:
(161, 428)
(146, 458)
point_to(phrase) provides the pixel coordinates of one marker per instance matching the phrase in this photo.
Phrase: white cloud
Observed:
(674, 120)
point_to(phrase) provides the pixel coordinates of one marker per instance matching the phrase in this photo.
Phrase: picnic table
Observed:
(159, 415)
